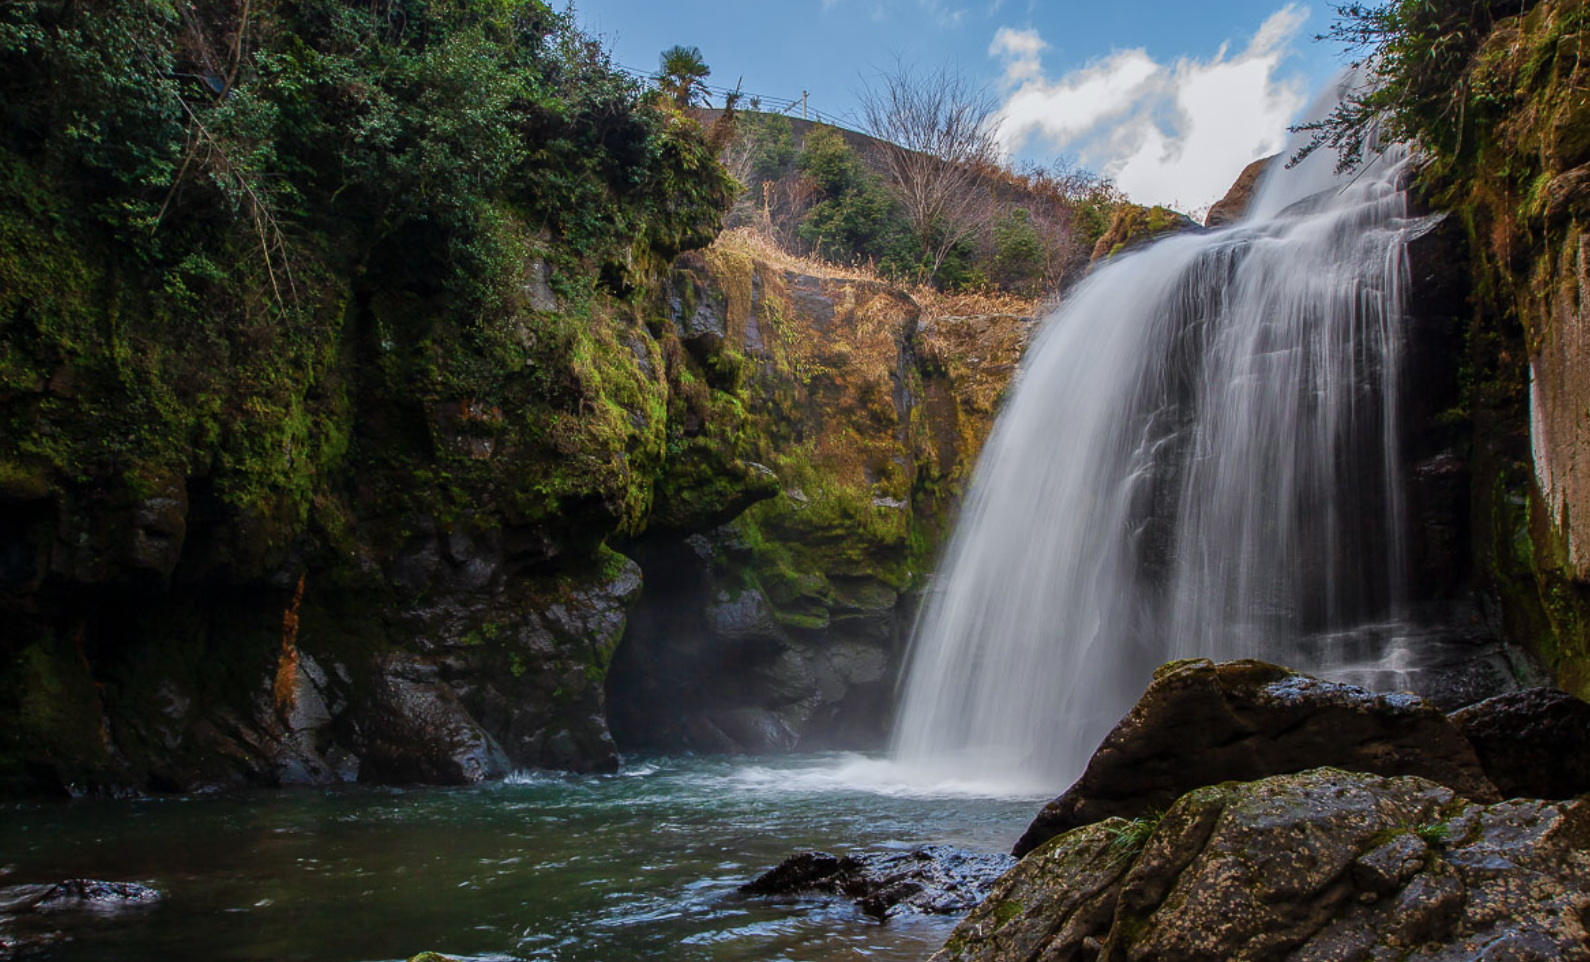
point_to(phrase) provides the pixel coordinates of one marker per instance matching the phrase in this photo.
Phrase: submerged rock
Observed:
(78, 894)
(1321, 865)
(805, 872)
(1533, 743)
(933, 879)
(30, 915)
(93, 895)
(1200, 723)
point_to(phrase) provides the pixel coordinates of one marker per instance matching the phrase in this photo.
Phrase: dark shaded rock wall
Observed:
(1509, 272)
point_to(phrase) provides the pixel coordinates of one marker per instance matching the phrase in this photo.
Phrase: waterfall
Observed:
(1199, 458)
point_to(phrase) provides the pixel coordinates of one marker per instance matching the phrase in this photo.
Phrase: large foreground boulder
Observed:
(1309, 867)
(1533, 743)
(1200, 723)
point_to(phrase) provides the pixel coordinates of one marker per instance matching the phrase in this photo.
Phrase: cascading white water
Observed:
(1200, 458)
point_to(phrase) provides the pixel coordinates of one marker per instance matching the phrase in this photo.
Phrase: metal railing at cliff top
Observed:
(799, 107)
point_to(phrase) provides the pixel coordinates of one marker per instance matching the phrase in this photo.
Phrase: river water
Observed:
(640, 865)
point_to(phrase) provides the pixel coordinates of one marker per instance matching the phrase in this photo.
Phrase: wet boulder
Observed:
(1201, 723)
(31, 915)
(805, 872)
(75, 895)
(1307, 867)
(1533, 743)
(930, 880)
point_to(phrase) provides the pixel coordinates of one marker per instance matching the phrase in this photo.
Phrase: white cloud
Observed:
(1021, 50)
(1175, 133)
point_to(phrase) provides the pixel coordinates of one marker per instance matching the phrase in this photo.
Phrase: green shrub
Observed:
(773, 150)
(1127, 840)
(856, 218)
(1018, 251)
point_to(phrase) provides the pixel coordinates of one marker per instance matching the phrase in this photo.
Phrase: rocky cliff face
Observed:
(1510, 275)
(778, 446)
(1234, 206)
(1133, 226)
(314, 435)
(865, 409)
(421, 594)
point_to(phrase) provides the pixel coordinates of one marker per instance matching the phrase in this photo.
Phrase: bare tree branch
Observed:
(937, 145)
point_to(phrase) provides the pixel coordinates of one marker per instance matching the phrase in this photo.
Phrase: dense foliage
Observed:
(854, 216)
(207, 204)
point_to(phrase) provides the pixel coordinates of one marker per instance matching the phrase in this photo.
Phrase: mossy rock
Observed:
(1134, 226)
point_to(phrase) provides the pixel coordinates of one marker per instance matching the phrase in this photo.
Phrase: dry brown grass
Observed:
(934, 303)
(760, 245)
(974, 303)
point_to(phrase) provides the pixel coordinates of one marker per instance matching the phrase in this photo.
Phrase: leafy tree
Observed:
(829, 162)
(773, 148)
(856, 218)
(246, 176)
(964, 268)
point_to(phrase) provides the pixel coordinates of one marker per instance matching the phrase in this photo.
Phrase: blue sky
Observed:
(1169, 98)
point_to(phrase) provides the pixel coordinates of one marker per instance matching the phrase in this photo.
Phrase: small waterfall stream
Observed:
(1199, 459)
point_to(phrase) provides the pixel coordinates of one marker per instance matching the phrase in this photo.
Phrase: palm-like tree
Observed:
(681, 74)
